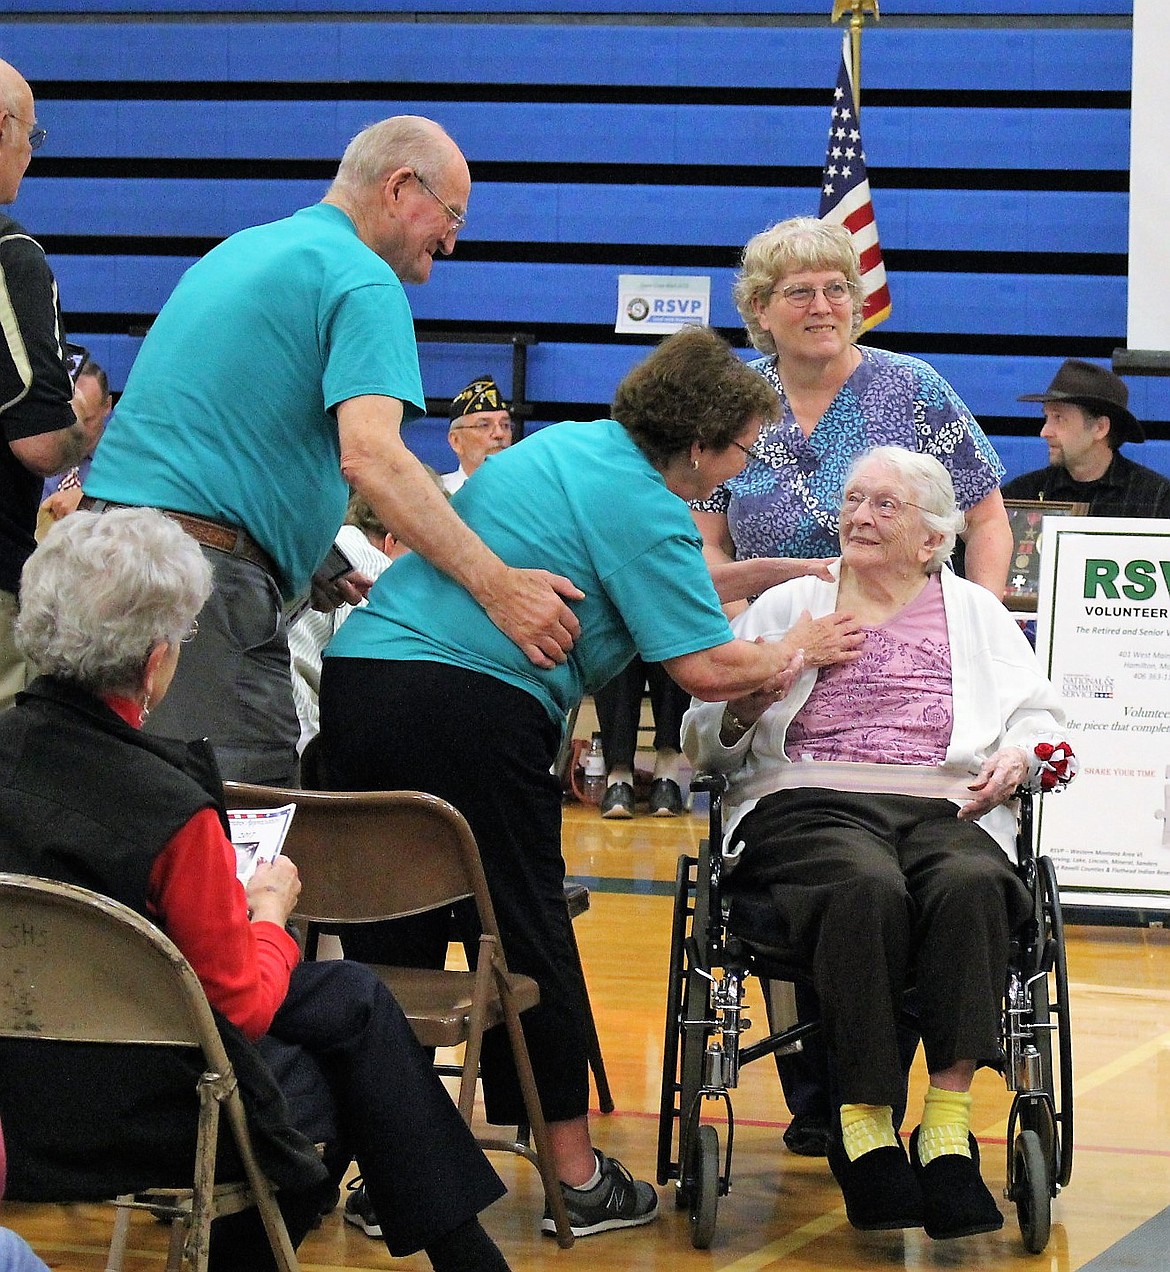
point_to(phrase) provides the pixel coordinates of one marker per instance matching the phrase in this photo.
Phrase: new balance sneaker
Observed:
(359, 1211)
(617, 1200)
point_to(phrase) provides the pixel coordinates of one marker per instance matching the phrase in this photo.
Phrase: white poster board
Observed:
(1103, 639)
(657, 304)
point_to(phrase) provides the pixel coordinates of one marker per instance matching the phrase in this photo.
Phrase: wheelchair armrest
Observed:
(715, 784)
(1025, 833)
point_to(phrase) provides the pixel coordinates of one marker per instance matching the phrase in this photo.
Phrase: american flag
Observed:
(845, 198)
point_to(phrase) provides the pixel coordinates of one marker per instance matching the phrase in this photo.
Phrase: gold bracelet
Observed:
(729, 717)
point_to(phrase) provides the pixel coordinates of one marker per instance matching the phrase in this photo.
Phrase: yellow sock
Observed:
(946, 1121)
(865, 1127)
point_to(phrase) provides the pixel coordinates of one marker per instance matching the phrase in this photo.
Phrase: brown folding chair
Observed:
(576, 901)
(366, 856)
(67, 979)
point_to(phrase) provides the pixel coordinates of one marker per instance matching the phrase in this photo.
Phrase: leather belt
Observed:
(212, 534)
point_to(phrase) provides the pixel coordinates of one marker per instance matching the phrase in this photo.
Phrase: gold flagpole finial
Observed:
(857, 9)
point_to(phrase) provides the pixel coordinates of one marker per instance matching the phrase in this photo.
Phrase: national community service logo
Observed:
(1081, 685)
(637, 309)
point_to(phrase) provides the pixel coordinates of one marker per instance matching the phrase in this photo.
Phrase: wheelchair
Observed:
(706, 1019)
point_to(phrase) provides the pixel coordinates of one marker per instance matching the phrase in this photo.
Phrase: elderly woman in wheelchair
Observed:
(873, 804)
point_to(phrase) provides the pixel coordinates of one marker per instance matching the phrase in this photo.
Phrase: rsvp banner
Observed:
(1103, 637)
(657, 304)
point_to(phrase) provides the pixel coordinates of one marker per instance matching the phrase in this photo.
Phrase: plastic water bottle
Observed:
(593, 787)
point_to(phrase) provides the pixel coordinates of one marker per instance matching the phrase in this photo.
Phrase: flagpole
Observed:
(845, 195)
(856, 9)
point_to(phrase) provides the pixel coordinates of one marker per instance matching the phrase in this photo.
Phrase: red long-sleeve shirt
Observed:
(194, 896)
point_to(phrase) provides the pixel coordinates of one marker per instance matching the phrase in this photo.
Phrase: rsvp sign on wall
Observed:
(1103, 637)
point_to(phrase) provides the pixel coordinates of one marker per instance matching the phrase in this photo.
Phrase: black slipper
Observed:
(880, 1189)
(955, 1200)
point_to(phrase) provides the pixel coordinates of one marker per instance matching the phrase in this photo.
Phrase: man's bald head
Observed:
(17, 119)
(403, 141)
(405, 184)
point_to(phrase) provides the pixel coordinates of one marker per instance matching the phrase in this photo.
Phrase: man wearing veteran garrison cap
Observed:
(1086, 419)
(481, 425)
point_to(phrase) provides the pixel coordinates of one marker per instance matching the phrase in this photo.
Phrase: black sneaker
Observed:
(807, 1135)
(666, 799)
(618, 801)
(617, 1200)
(359, 1211)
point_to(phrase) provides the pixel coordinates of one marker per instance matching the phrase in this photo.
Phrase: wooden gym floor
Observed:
(784, 1212)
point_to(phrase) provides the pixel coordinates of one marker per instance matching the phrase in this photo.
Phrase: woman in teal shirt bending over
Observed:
(420, 691)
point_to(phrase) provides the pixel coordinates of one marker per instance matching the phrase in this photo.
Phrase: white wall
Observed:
(1148, 320)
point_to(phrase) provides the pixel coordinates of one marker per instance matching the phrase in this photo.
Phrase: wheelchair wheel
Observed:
(1058, 1078)
(698, 1002)
(703, 1175)
(669, 1110)
(689, 998)
(1031, 1191)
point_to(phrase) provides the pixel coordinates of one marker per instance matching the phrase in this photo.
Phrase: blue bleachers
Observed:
(996, 304)
(998, 154)
(593, 133)
(716, 215)
(1016, 57)
(814, 8)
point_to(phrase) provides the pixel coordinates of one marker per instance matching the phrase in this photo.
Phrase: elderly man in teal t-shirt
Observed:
(282, 369)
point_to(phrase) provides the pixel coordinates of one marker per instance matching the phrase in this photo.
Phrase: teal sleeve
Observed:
(370, 348)
(668, 602)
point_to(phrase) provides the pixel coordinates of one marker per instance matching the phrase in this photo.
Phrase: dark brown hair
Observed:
(692, 388)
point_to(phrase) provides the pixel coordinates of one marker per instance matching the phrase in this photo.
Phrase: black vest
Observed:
(86, 799)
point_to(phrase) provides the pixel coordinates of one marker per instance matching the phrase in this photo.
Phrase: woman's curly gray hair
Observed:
(798, 245)
(102, 590)
(928, 486)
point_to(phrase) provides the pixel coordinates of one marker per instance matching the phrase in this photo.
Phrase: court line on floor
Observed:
(823, 1224)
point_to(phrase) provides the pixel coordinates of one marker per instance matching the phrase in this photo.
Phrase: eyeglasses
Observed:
(36, 136)
(191, 633)
(504, 425)
(883, 504)
(800, 295)
(749, 451)
(458, 221)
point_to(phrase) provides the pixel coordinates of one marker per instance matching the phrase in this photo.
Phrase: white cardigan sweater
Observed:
(999, 698)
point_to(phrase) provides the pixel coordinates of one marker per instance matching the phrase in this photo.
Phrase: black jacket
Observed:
(36, 392)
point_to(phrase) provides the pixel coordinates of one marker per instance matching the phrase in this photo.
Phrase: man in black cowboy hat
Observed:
(481, 425)
(1086, 419)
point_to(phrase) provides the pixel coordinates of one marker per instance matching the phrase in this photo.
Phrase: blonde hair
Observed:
(788, 247)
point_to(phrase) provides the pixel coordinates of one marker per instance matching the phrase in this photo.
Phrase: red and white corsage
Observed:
(1052, 766)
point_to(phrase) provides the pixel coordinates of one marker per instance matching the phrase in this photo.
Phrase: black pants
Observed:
(487, 748)
(356, 1079)
(865, 886)
(619, 710)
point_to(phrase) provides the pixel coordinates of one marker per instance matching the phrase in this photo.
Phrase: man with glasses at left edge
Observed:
(41, 425)
(278, 375)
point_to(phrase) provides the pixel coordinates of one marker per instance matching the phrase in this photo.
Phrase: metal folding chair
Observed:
(80, 967)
